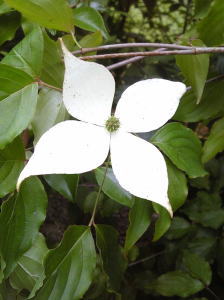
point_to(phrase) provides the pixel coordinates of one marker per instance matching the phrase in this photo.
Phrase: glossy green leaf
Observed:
(20, 220)
(182, 147)
(162, 223)
(12, 80)
(140, 219)
(110, 252)
(179, 227)
(177, 196)
(197, 267)
(88, 41)
(195, 69)
(16, 112)
(215, 142)
(50, 110)
(54, 14)
(69, 268)
(9, 23)
(65, 184)
(53, 66)
(30, 266)
(90, 19)
(211, 27)
(211, 104)
(177, 283)
(91, 40)
(28, 54)
(12, 159)
(112, 188)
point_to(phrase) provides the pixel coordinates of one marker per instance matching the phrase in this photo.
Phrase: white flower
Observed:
(73, 147)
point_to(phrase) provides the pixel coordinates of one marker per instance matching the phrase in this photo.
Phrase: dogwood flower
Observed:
(78, 146)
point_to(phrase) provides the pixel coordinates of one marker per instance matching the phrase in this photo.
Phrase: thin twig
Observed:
(128, 61)
(212, 293)
(193, 50)
(42, 83)
(132, 45)
(146, 258)
(125, 62)
(92, 220)
(216, 78)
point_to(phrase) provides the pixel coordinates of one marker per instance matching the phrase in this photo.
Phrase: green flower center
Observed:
(112, 124)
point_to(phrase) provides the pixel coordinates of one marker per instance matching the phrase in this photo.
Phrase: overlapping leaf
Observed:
(16, 112)
(11, 163)
(69, 268)
(20, 219)
(54, 14)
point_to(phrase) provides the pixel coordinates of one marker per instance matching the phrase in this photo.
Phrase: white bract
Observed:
(74, 147)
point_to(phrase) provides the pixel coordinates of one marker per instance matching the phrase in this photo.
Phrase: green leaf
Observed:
(65, 184)
(9, 23)
(50, 110)
(204, 246)
(110, 252)
(182, 147)
(176, 196)
(28, 54)
(20, 219)
(211, 27)
(215, 142)
(140, 219)
(202, 7)
(12, 159)
(12, 80)
(16, 112)
(206, 210)
(88, 41)
(8, 293)
(177, 283)
(30, 266)
(177, 178)
(4, 8)
(89, 19)
(112, 188)
(91, 40)
(54, 14)
(211, 104)
(197, 267)
(53, 67)
(195, 69)
(179, 227)
(163, 222)
(70, 267)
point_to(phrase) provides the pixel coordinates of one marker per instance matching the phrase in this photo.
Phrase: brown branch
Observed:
(128, 61)
(193, 50)
(131, 45)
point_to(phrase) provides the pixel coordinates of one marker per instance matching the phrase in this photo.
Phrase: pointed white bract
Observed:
(70, 147)
(88, 90)
(74, 147)
(140, 168)
(149, 104)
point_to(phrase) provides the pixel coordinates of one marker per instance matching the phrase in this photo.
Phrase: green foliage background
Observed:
(134, 251)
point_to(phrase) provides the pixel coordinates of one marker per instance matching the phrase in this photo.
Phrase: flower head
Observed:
(73, 147)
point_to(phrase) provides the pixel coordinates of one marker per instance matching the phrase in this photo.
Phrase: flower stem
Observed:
(92, 220)
(40, 82)
(75, 40)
